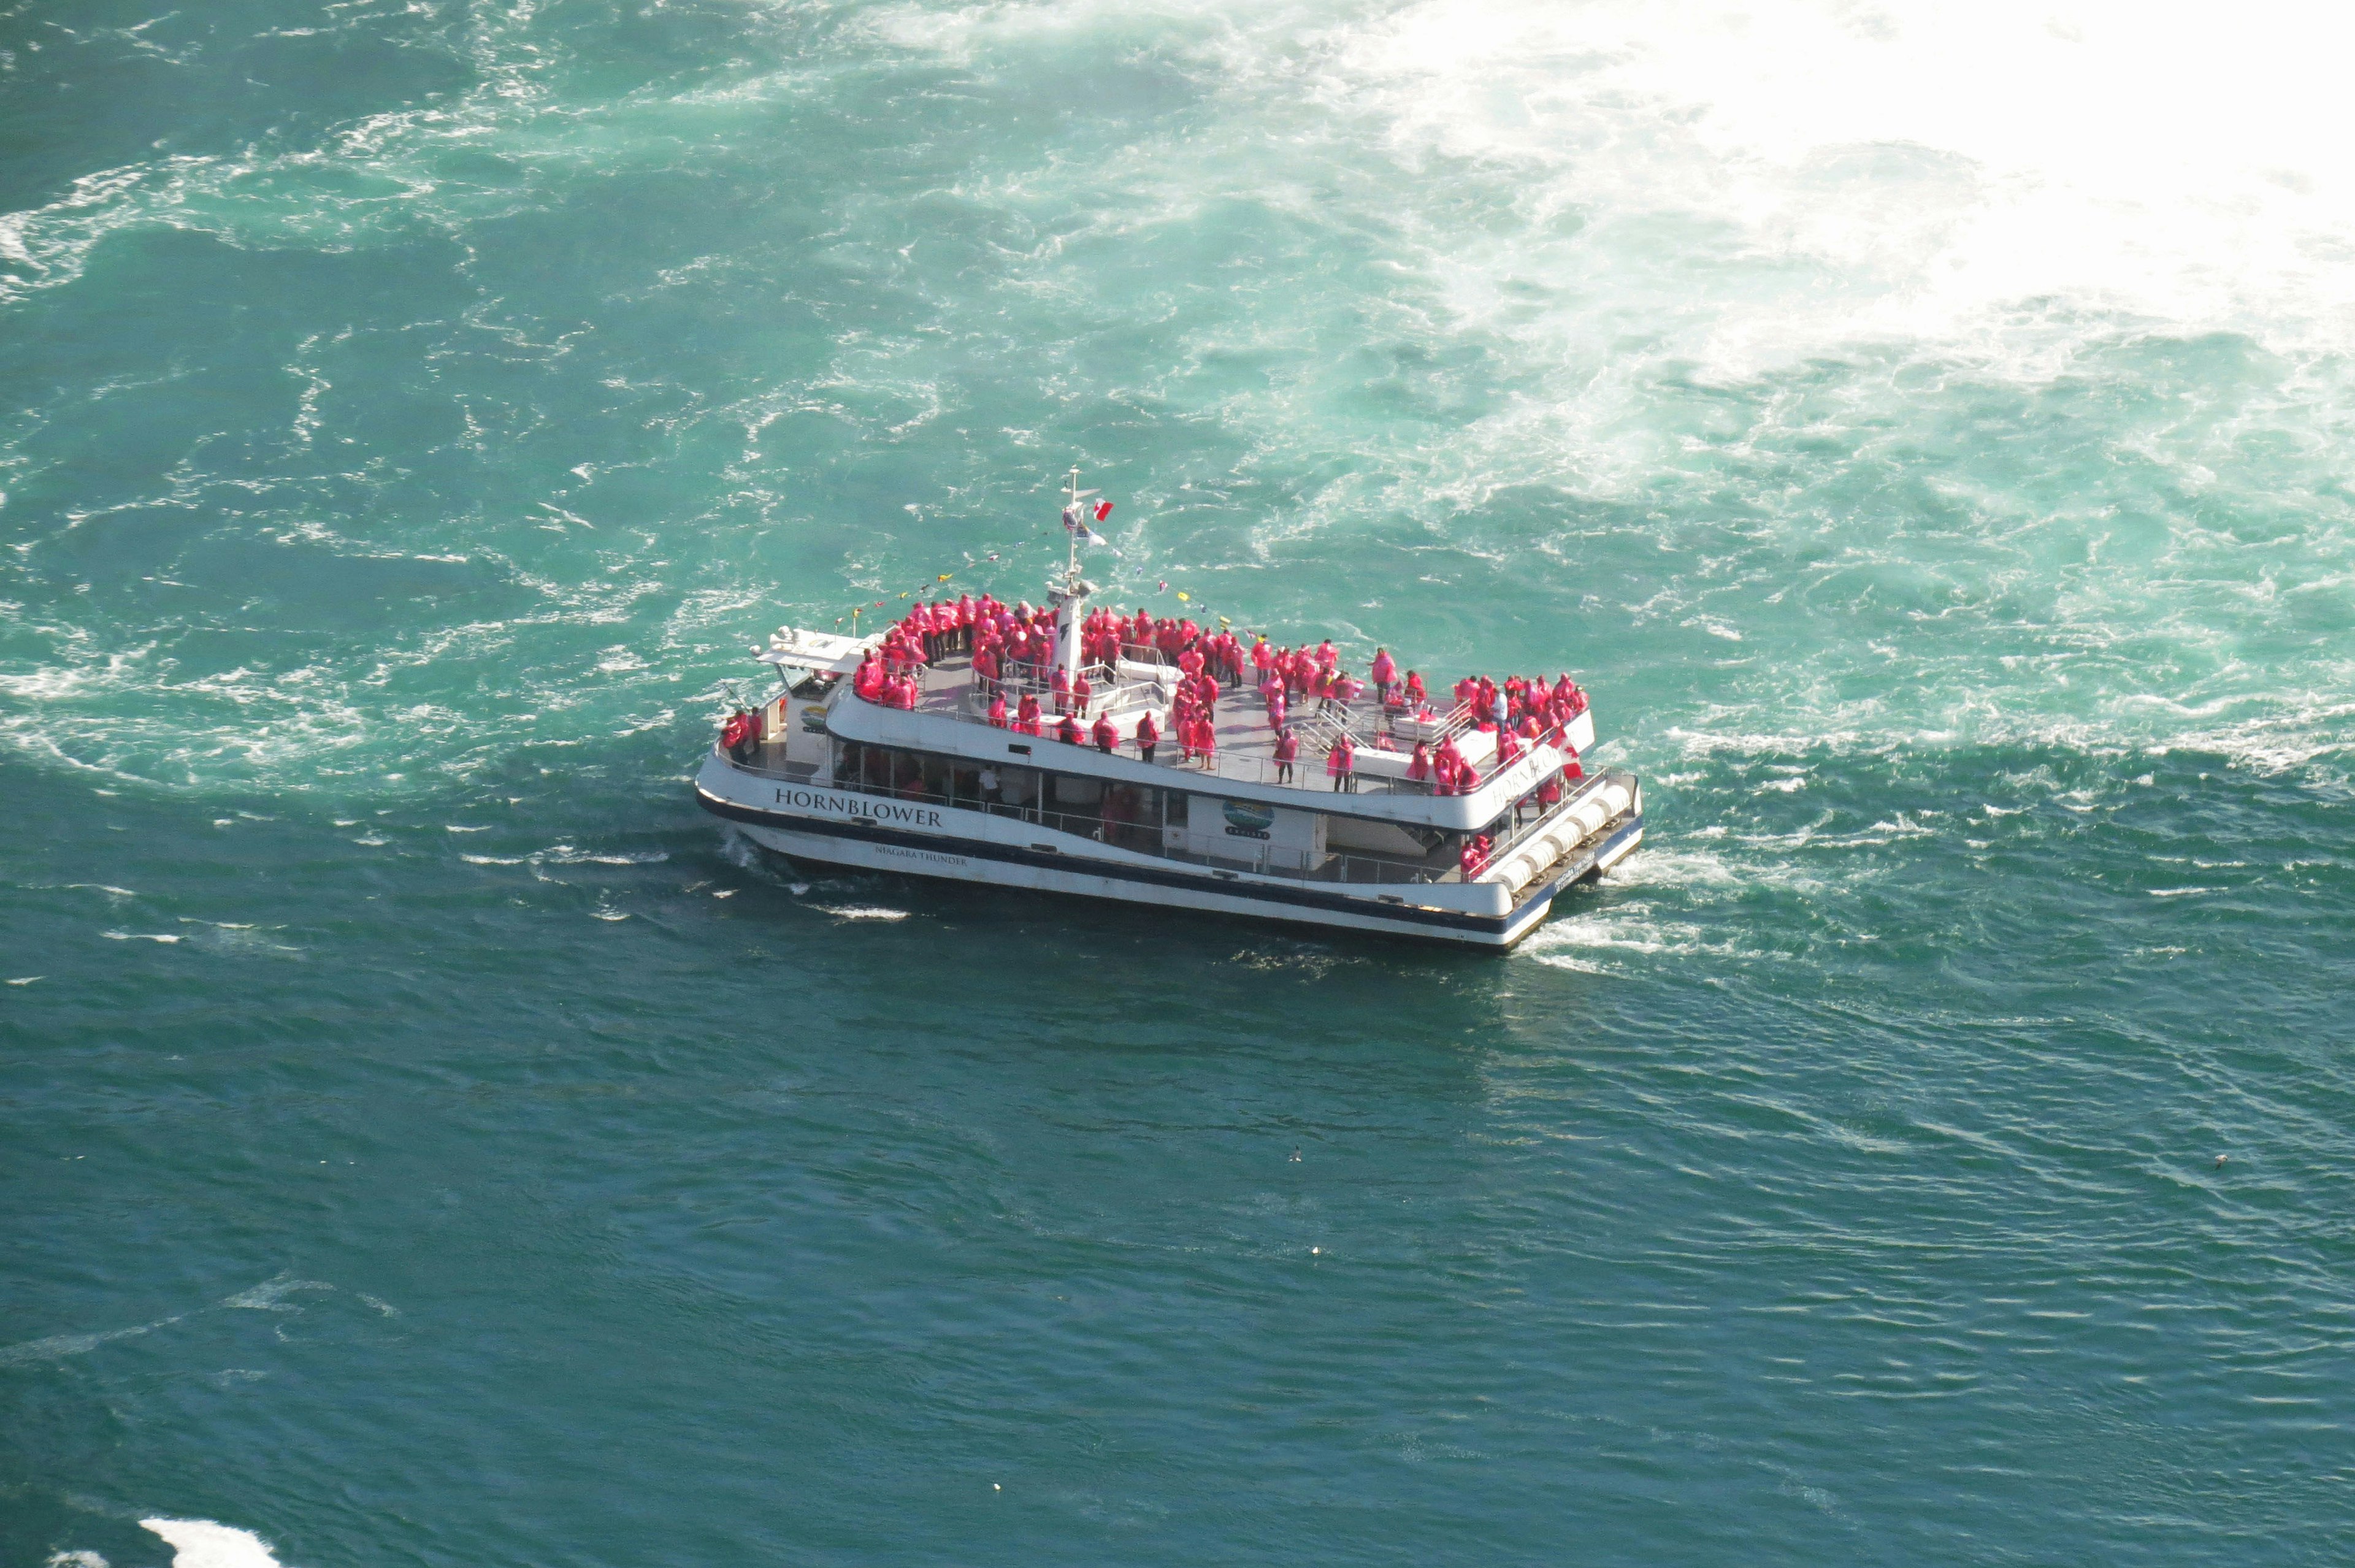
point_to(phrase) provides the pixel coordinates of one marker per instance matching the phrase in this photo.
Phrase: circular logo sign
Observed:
(1250, 816)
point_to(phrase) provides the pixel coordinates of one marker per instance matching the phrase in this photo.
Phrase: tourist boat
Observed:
(914, 777)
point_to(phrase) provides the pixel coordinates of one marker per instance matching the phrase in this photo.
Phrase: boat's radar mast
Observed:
(1075, 527)
(1070, 595)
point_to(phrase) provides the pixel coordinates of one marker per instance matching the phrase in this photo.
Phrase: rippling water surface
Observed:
(429, 1140)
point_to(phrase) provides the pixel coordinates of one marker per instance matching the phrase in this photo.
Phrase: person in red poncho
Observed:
(1148, 734)
(1474, 858)
(1105, 732)
(1341, 763)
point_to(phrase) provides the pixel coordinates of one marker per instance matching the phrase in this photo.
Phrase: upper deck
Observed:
(950, 717)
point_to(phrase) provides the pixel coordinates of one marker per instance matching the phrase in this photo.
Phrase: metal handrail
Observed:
(1523, 833)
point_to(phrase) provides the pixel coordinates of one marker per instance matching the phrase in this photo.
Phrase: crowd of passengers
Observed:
(1013, 650)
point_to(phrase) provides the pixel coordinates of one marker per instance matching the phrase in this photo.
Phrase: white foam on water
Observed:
(206, 1543)
(863, 912)
(1905, 171)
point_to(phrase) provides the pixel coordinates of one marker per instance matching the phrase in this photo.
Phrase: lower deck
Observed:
(1099, 853)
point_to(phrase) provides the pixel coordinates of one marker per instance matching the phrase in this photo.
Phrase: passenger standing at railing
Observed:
(1449, 770)
(1026, 717)
(1068, 731)
(1106, 733)
(1287, 751)
(1508, 749)
(1342, 764)
(997, 710)
(1061, 687)
(1148, 734)
(1418, 767)
(1474, 858)
(1384, 670)
(1415, 695)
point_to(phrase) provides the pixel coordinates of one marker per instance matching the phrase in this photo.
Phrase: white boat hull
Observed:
(814, 823)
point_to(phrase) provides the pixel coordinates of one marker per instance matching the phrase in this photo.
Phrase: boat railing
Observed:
(790, 773)
(1527, 828)
(970, 701)
(1108, 693)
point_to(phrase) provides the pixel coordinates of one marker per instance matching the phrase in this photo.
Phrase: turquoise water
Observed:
(430, 1140)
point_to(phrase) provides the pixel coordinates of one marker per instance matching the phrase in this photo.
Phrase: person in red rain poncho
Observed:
(1549, 791)
(1276, 709)
(1105, 732)
(1418, 767)
(1287, 751)
(1508, 748)
(1384, 670)
(1341, 763)
(1026, 717)
(997, 710)
(731, 735)
(1474, 858)
(1061, 686)
(1416, 696)
(1447, 767)
(1068, 731)
(1081, 691)
(1148, 734)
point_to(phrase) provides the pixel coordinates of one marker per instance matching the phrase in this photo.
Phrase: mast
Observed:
(1073, 593)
